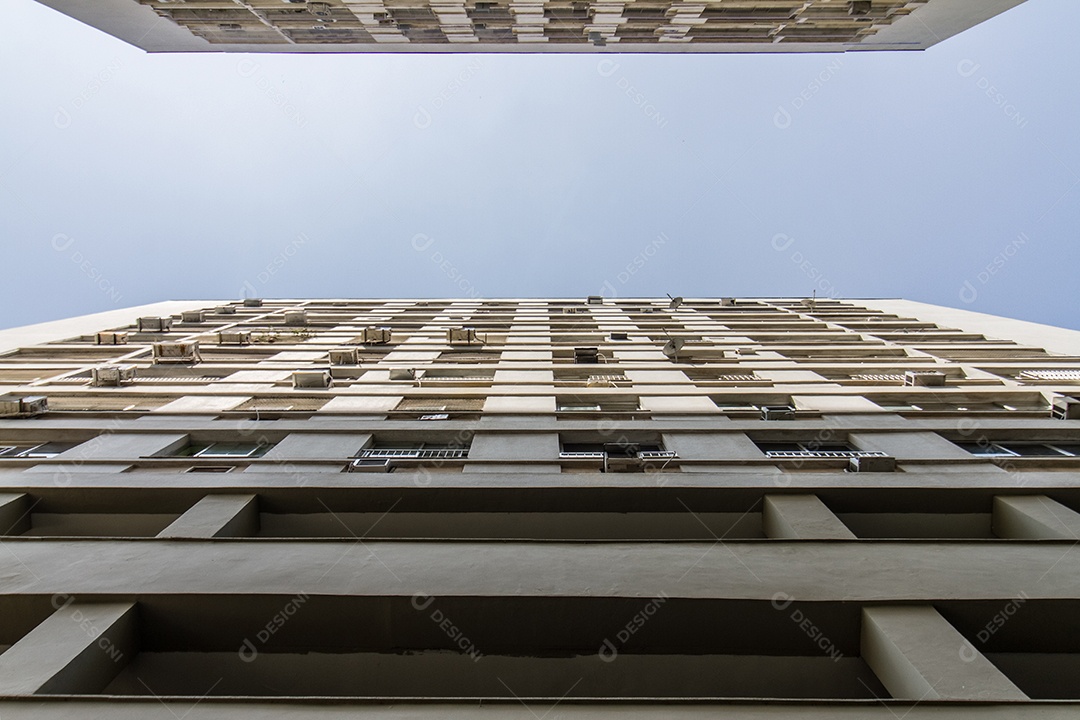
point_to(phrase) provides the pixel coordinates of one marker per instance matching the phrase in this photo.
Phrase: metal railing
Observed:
(834, 454)
(414, 454)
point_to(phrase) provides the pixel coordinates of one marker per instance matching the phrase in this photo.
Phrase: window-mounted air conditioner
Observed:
(462, 336)
(727, 302)
(586, 355)
(234, 337)
(29, 406)
(872, 463)
(296, 317)
(619, 337)
(1065, 408)
(595, 300)
(924, 378)
(192, 316)
(111, 338)
(111, 375)
(225, 310)
(252, 302)
(402, 374)
(377, 335)
(176, 352)
(312, 379)
(345, 356)
(371, 465)
(777, 412)
(154, 324)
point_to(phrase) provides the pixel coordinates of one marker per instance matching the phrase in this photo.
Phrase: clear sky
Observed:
(947, 176)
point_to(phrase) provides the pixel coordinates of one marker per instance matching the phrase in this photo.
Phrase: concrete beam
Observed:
(801, 517)
(149, 708)
(217, 516)
(78, 649)
(1020, 517)
(918, 655)
(14, 513)
(753, 570)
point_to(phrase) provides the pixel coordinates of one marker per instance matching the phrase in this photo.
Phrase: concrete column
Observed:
(78, 649)
(918, 655)
(14, 513)
(217, 516)
(1019, 517)
(801, 517)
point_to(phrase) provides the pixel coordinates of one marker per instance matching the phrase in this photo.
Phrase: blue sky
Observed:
(947, 176)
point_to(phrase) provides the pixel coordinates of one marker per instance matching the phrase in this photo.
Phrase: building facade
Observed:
(574, 509)
(641, 26)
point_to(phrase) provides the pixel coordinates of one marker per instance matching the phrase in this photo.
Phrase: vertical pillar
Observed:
(918, 655)
(14, 513)
(217, 516)
(77, 650)
(801, 517)
(1020, 517)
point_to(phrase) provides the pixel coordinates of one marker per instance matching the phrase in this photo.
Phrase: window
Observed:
(42, 450)
(225, 450)
(1021, 449)
(605, 404)
(620, 456)
(770, 448)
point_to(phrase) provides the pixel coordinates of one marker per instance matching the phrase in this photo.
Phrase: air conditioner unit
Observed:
(777, 412)
(463, 335)
(924, 378)
(319, 9)
(371, 465)
(622, 449)
(234, 337)
(377, 335)
(252, 302)
(586, 355)
(882, 463)
(727, 302)
(296, 317)
(403, 374)
(225, 310)
(312, 379)
(192, 316)
(345, 356)
(1065, 408)
(619, 336)
(154, 324)
(29, 406)
(595, 300)
(111, 338)
(176, 352)
(111, 375)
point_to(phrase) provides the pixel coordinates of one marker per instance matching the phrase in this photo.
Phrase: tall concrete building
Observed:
(574, 26)
(574, 509)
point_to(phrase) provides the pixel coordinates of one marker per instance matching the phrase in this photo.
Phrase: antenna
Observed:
(672, 347)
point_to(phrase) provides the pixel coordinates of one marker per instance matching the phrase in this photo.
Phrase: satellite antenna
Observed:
(672, 347)
(675, 302)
